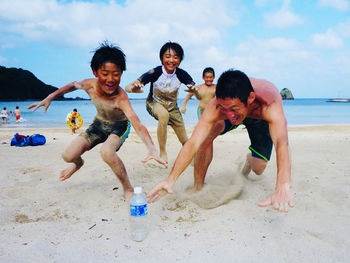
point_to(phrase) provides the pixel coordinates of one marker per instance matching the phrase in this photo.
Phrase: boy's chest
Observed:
(105, 103)
(207, 92)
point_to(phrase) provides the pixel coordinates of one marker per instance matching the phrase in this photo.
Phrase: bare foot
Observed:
(69, 171)
(197, 187)
(128, 194)
(164, 156)
(247, 166)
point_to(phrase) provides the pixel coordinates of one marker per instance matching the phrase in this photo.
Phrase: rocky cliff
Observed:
(286, 94)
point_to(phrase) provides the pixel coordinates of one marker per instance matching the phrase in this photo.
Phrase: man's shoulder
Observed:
(261, 83)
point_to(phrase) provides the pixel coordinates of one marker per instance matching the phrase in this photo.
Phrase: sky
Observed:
(300, 45)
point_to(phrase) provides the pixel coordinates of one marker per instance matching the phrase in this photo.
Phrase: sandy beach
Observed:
(85, 218)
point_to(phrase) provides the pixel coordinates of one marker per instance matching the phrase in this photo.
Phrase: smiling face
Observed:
(108, 76)
(170, 61)
(208, 78)
(234, 109)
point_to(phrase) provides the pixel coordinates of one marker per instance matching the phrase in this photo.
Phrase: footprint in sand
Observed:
(30, 170)
(153, 165)
(223, 189)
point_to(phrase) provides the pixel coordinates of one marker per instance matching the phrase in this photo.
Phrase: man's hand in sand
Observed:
(46, 103)
(134, 87)
(155, 157)
(281, 199)
(159, 191)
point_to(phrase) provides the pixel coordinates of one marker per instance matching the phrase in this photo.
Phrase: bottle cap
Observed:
(137, 190)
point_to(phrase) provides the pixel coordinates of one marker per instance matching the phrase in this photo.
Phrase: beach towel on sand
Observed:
(32, 140)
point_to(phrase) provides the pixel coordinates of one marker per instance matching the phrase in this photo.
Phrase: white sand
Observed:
(85, 220)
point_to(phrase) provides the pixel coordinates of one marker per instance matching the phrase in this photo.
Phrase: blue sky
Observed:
(300, 45)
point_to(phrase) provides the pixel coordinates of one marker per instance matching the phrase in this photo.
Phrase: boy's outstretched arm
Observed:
(183, 108)
(141, 131)
(47, 101)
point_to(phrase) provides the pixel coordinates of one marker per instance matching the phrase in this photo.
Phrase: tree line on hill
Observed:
(17, 84)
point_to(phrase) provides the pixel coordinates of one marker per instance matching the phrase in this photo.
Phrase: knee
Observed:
(67, 157)
(259, 169)
(107, 154)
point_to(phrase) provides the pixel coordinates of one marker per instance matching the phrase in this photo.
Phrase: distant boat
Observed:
(338, 100)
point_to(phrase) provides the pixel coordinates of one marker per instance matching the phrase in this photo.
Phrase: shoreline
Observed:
(48, 126)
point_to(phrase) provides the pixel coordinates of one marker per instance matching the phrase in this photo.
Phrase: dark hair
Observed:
(4, 108)
(233, 84)
(75, 110)
(174, 46)
(17, 107)
(108, 53)
(208, 70)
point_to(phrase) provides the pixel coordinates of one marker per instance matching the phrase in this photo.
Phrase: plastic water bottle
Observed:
(138, 215)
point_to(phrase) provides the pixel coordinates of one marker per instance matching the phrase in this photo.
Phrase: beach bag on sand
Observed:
(19, 140)
(37, 139)
(23, 140)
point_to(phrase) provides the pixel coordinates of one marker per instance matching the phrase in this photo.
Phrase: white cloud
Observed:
(343, 29)
(334, 38)
(262, 3)
(328, 40)
(284, 17)
(341, 5)
(137, 22)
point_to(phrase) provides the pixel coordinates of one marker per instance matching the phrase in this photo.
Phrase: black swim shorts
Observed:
(99, 130)
(259, 135)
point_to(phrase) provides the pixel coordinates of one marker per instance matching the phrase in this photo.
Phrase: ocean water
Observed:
(297, 111)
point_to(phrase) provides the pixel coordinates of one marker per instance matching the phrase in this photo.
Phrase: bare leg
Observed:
(256, 164)
(181, 134)
(163, 119)
(73, 155)
(109, 155)
(204, 156)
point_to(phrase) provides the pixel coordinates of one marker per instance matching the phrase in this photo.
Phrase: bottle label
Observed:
(138, 210)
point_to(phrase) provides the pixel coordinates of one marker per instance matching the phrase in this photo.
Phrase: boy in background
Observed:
(161, 102)
(204, 92)
(17, 114)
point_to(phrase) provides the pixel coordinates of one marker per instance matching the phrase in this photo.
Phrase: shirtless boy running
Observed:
(111, 125)
(204, 92)
(258, 105)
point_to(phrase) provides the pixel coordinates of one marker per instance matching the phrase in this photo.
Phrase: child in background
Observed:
(73, 120)
(162, 98)
(111, 125)
(4, 115)
(204, 93)
(18, 114)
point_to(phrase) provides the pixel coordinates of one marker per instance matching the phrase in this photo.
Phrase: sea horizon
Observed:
(299, 111)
